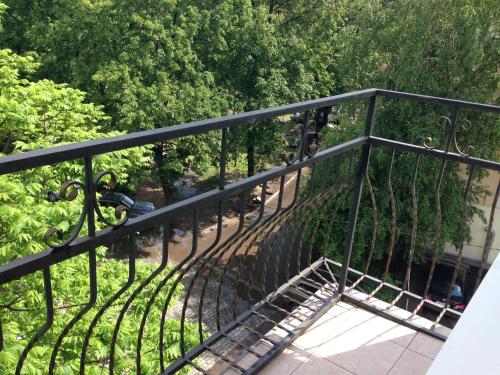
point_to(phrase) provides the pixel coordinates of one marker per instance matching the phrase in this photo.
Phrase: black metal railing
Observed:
(261, 280)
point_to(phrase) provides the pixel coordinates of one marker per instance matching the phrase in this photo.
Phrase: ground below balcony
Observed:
(348, 340)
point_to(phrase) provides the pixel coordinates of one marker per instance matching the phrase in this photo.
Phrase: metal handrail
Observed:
(32, 159)
(318, 273)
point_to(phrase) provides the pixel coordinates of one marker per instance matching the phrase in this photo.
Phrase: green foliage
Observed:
(440, 48)
(265, 54)
(136, 59)
(158, 63)
(39, 114)
(70, 283)
(150, 64)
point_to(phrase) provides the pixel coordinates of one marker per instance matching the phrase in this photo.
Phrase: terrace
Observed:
(263, 290)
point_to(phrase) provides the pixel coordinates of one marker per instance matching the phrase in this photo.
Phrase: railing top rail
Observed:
(33, 159)
(439, 101)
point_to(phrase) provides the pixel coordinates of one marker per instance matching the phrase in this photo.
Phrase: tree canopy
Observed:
(39, 114)
(79, 70)
(440, 48)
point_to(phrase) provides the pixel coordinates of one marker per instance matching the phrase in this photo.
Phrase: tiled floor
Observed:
(348, 340)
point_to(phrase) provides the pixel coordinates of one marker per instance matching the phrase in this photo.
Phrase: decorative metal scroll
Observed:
(451, 128)
(54, 237)
(69, 191)
(120, 209)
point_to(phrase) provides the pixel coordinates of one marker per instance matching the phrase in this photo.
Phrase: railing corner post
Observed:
(358, 189)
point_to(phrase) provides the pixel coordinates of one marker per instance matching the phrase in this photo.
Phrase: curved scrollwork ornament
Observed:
(451, 130)
(121, 211)
(69, 191)
(465, 126)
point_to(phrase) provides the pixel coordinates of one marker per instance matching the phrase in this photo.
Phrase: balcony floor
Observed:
(350, 340)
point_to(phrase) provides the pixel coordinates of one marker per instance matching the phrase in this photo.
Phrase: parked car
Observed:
(135, 208)
(439, 291)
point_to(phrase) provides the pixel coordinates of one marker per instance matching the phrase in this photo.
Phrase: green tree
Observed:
(40, 114)
(265, 54)
(157, 63)
(136, 60)
(441, 48)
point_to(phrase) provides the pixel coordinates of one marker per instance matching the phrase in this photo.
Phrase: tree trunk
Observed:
(250, 153)
(159, 161)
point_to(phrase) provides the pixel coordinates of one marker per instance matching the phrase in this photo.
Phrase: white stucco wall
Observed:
(474, 250)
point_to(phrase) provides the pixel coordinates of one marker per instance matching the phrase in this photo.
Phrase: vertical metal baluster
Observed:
(222, 175)
(163, 264)
(179, 277)
(254, 261)
(223, 159)
(330, 222)
(286, 226)
(91, 201)
(228, 262)
(184, 307)
(325, 207)
(89, 186)
(342, 195)
(206, 253)
(275, 223)
(317, 208)
(489, 239)
(207, 256)
(393, 218)
(321, 216)
(262, 201)
(49, 307)
(250, 243)
(135, 293)
(351, 162)
(102, 310)
(460, 250)
(338, 169)
(363, 166)
(280, 194)
(300, 219)
(247, 238)
(131, 278)
(462, 235)
(413, 240)
(299, 235)
(221, 250)
(267, 229)
(311, 183)
(300, 225)
(303, 215)
(194, 246)
(437, 238)
(373, 240)
(222, 171)
(303, 147)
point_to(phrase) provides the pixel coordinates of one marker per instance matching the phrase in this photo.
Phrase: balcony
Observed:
(295, 280)
(351, 340)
